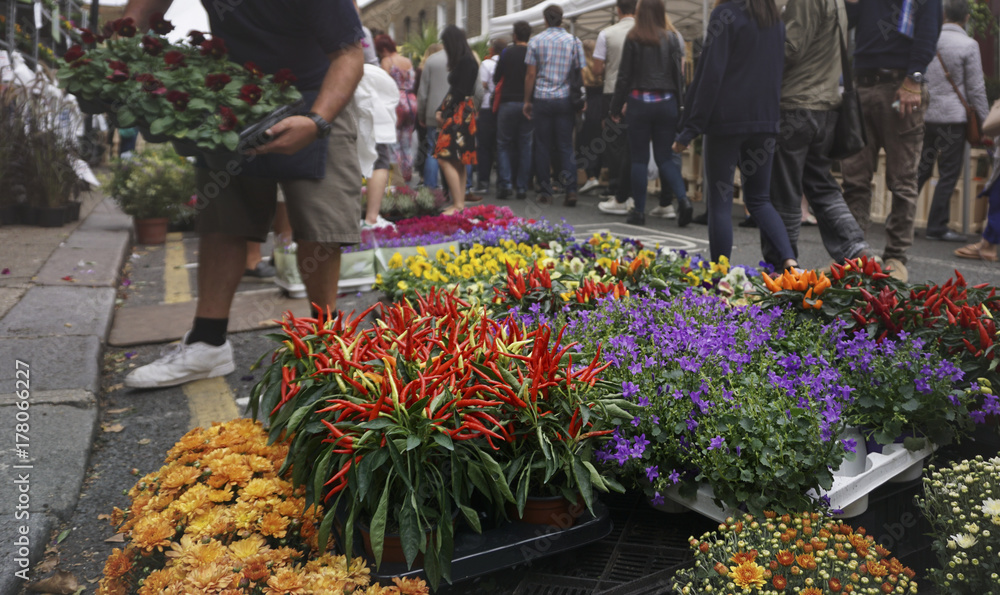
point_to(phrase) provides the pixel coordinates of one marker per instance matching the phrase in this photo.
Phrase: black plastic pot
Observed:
(26, 214)
(149, 136)
(185, 148)
(50, 216)
(72, 212)
(91, 106)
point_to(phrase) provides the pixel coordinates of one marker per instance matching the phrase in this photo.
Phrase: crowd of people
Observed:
(770, 95)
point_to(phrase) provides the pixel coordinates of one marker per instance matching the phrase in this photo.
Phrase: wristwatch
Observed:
(323, 127)
(917, 77)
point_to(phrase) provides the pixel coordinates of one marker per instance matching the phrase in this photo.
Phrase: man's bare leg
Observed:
(320, 268)
(220, 267)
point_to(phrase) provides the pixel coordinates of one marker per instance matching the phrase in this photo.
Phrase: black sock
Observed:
(208, 330)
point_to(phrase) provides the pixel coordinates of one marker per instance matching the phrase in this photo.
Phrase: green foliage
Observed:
(154, 182)
(416, 46)
(983, 22)
(992, 89)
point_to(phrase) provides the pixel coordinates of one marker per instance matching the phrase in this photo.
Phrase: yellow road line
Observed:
(176, 285)
(210, 400)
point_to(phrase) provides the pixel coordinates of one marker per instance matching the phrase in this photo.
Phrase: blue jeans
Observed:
(514, 138)
(656, 121)
(554, 122)
(431, 164)
(755, 154)
(992, 231)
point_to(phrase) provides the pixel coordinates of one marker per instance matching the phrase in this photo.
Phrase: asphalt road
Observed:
(140, 426)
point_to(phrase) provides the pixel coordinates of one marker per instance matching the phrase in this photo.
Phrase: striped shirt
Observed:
(552, 53)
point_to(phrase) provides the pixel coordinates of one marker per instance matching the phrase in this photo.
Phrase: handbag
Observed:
(991, 127)
(971, 120)
(849, 135)
(576, 95)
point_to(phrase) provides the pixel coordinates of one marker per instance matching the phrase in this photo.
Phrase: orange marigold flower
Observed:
(807, 561)
(779, 582)
(748, 575)
(785, 557)
(118, 564)
(741, 557)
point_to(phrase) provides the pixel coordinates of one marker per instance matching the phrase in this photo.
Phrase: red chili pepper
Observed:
(984, 338)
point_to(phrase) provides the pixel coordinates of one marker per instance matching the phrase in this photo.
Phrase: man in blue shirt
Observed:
(552, 55)
(312, 156)
(895, 41)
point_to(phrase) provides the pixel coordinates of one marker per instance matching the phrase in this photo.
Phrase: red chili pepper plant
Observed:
(434, 411)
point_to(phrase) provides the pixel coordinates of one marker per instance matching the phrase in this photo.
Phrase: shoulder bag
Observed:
(971, 121)
(849, 135)
(576, 94)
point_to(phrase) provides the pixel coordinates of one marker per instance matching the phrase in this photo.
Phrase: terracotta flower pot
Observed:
(151, 231)
(555, 511)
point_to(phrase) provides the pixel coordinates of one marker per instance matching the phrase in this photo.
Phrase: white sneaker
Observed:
(184, 363)
(666, 212)
(613, 207)
(287, 271)
(589, 185)
(379, 223)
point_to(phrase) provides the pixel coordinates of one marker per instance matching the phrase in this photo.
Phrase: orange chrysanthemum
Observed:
(785, 557)
(835, 585)
(118, 564)
(741, 557)
(748, 575)
(811, 591)
(877, 569)
(806, 561)
(779, 582)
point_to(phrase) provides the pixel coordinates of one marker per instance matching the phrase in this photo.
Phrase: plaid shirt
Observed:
(551, 52)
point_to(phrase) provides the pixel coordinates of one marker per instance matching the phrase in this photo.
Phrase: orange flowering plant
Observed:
(805, 554)
(217, 518)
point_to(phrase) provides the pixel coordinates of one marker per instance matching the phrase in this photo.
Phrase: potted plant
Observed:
(793, 553)
(153, 186)
(188, 93)
(962, 503)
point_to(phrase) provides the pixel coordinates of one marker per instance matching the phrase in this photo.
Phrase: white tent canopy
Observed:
(586, 17)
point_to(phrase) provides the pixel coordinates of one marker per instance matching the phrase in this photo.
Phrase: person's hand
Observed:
(439, 119)
(908, 96)
(288, 136)
(527, 110)
(624, 109)
(616, 119)
(678, 148)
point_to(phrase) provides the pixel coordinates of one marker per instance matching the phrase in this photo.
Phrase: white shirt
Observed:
(486, 70)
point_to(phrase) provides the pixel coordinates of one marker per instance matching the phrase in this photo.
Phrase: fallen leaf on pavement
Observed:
(119, 410)
(116, 538)
(5, 272)
(69, 278)
(62, 536)
(144, 441)
(62, 583)
(93, 580)
(104, 517)
(48, 565)
(114, 428)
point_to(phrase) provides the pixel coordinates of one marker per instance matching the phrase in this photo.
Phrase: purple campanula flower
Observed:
(716, 443)
(657, 499)
(652, 472)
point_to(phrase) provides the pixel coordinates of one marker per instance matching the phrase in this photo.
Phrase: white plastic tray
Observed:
(845, 492)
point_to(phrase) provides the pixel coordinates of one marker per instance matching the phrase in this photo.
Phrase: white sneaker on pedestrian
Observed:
(184, 363)
(379, 223)
(589, 185)
(613, 207)
(666, 212)
(286, 267)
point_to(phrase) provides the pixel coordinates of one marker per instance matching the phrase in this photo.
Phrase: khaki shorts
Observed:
(327, 211)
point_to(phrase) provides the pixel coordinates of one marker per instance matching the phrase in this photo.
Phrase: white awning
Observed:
(587, 17)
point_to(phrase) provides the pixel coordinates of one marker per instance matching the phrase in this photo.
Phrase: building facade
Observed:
(405, 18)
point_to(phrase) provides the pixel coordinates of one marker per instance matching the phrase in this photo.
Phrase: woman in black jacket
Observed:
(734, 101)
(650, 78)
(456, 118)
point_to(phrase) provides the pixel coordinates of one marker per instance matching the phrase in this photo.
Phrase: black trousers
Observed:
(944, 143)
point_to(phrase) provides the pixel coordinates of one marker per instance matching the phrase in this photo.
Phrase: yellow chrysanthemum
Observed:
(747, 575)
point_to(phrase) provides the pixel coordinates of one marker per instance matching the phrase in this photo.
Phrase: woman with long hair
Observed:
(456, 118)
(734, 101)
(650, 80)
(400, 68)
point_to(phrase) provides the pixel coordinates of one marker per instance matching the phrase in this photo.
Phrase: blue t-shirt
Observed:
(295, 34)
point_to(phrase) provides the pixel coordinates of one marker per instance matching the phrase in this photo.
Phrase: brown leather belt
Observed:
(868, 77)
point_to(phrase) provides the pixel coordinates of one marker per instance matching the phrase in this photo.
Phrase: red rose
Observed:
(152, 45)
(217, 82)
(174, 59)
(73, 54)
(251, 94)
(284, 78)
(229, 120)
(254, 69)
(214, 47)
(124, 27)
(87, 36)
(196, 37)
(159, 24)
(179, 99)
